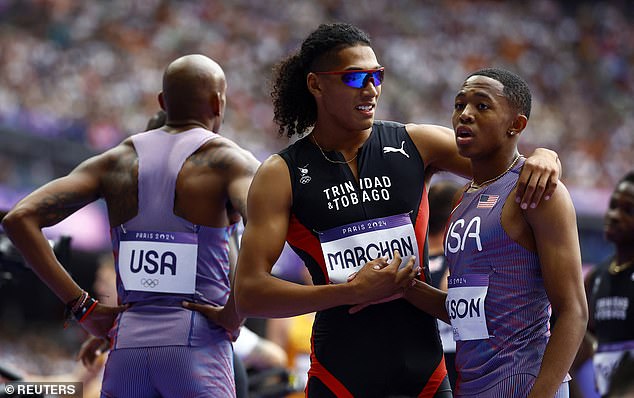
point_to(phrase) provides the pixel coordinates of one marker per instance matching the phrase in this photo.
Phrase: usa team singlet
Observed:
(497, 302)
(159, 347)
(337, 224)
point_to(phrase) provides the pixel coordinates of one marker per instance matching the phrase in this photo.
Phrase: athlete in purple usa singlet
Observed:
(171, 196)
(496, 302)
(161, 260)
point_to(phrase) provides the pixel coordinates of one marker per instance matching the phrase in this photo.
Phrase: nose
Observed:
(370, 85)
(466, 115)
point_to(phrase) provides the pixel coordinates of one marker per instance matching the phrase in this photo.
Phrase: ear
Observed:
(161, 101)
(216, 103)
(312, 82)
(519, 124)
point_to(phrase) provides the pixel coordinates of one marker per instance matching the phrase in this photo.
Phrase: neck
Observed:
(485, 173)
(189, 123)
(342, 142)
(624, 254)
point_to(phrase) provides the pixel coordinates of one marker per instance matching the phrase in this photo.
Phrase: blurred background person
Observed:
(611, 289)
(622, 382)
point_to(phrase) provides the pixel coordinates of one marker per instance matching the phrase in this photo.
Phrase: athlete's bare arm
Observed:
(223, 172)
(240, 179)
(554, 229)
(259, 293)
(47, 206)
(437, 146)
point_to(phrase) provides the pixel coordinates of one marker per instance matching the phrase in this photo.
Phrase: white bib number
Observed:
(160, 262)
(465, 306)
(605, 361)
(349, 247)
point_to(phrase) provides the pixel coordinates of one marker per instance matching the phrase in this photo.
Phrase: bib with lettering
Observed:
(605, 361)
(159, 262)
(465, 306)
(349, 247)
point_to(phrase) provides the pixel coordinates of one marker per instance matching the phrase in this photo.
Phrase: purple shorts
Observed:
(170, 371)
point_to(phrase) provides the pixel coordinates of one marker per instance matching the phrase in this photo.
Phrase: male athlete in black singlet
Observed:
(390, 182)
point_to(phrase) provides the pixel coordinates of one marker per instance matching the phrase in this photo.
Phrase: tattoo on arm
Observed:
(56, 207)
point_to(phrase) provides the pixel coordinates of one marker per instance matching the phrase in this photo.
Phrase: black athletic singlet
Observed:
(612, 315)
(390, 349)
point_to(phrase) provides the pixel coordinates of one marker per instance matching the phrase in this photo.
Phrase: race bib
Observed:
(605, 361)
(160, 262)
(465, 306)
(349, 247)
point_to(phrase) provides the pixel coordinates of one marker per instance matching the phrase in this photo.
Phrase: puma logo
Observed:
(387, 149)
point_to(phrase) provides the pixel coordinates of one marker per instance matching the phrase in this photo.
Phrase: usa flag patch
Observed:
(487, 201)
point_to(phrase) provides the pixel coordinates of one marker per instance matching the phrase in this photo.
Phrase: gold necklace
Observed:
(617, 268)
(330, 160)
(473, 185)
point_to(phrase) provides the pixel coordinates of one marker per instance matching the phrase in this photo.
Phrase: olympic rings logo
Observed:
(149, 282)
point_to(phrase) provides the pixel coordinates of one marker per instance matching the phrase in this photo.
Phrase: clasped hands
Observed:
(379, 281)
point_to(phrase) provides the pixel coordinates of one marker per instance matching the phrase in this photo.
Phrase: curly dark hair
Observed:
(515, 88)
(295, 109)
(628, 177)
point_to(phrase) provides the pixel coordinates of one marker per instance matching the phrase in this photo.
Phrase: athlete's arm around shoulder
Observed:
(557, 242)
(437, 146)
(260, 294)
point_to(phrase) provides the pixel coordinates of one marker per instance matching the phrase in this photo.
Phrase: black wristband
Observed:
(79, 308)
(85, 309)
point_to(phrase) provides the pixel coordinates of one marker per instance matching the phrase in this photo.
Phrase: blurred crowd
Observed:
(89, 71)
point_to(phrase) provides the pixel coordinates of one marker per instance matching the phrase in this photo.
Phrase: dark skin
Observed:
(214, 178)
(344, 122)
(494, 128)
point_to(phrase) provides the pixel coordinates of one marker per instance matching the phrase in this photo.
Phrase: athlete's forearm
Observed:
(429, 299)
(38, 254)
(271, 297)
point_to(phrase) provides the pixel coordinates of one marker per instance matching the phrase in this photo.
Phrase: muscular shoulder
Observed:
(271, 185)
(273, 174)
(274, 167)
(223, 154)
(121, 158)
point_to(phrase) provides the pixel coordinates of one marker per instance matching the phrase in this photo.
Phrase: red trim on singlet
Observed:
(331, 382)
(431, 388)
(420, 226)
(300, 237)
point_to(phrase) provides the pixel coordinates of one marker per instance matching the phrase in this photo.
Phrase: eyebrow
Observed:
(480, 94)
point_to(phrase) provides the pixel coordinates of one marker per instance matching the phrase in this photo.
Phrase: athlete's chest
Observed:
(328, 194)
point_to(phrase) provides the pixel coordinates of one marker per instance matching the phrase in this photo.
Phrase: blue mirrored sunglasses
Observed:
(358, 78)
